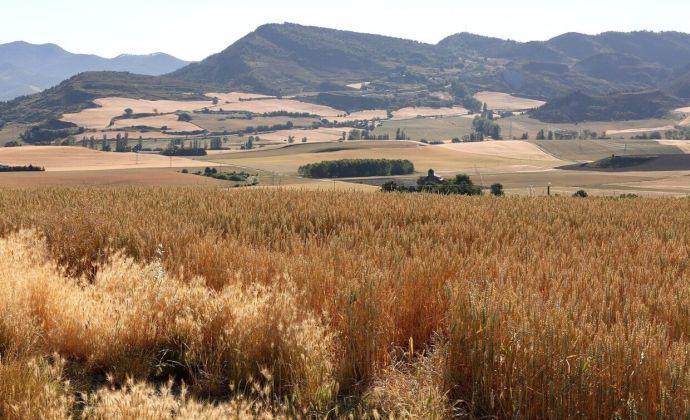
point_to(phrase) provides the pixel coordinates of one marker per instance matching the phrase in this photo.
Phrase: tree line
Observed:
(357, 168)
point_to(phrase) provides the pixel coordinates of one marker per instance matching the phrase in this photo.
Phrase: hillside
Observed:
(578, 107)
(28, 68)
(608, 62)
(78, 92)
(292, 58)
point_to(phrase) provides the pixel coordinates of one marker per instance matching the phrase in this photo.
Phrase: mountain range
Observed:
(291, 58)
(329, 66)
(28, 68)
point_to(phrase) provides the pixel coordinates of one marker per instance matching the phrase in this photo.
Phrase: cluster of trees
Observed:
(176, 151)
(462, 184)
(401, 135)
(655, 135)
(680, 133)
(177, 148)
(464, 97)
(249, 144)
(346, 168)
(366, 135)
(484, 127)
(289, 114)
(214, 173)
(569, 135)
(50, 131)
(275, 127)
(27, 168)
(291, 139)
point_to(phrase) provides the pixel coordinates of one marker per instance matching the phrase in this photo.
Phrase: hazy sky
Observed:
(193, 29)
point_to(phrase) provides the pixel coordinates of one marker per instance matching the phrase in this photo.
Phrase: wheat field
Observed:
(206, 303)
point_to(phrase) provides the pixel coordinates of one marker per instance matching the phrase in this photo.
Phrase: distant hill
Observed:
(578, 107)
(289, 58)
(293, 58)
(322, 65)
(79, 91)
(608, 62)
(28, 68)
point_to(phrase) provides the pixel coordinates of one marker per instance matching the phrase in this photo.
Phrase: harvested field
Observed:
(109, 108)
(133, 177)
(645, 163)
(591, 150)
(169, 121)
(520, 124)
(318, 147)
(639, 130)
(428, 128)
(678, 182)
(442, 159)
(220, 123)
(232, 97)
(318, 135)
(512, 149)
(263, 106)
(409, 113)
(683, 145)
(61, 158)
(506, 102)
(374, 114)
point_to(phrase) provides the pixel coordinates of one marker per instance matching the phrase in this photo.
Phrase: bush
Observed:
(184, 117)
(460, 185)
(581, 194)
(357, 168)
(497, 190)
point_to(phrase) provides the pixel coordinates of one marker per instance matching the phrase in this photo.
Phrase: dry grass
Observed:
(503, 307)
(507, 102)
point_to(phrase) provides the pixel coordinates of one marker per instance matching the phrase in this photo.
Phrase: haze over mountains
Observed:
(28, 68)
(318, 64)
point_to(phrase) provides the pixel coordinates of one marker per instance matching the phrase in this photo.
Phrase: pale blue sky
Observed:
(193, 29)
